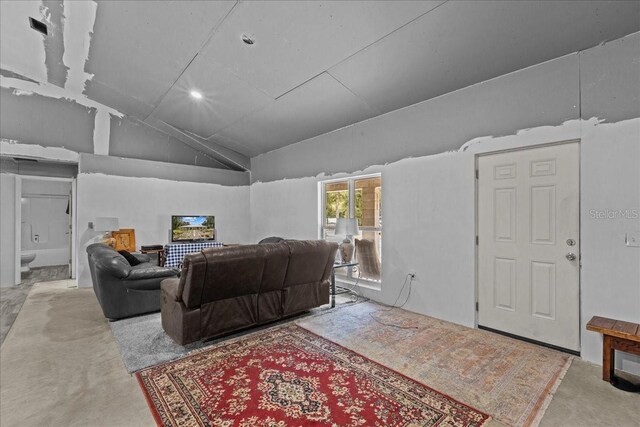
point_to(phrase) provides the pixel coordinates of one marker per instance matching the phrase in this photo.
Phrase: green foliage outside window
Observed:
(337, 204)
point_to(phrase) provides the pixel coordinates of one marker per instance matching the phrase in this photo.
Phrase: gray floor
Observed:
(61, 367)
(143, 342)
(583, 399)
(12, 298)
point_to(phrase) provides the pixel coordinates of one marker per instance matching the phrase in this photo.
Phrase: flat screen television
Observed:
(189, 228)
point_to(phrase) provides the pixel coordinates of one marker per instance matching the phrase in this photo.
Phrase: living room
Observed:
(415, 93)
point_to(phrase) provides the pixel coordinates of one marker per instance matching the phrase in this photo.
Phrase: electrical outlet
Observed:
(633, 239)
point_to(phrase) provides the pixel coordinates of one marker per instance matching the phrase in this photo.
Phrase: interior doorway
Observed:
(529, 243)
(44, 224)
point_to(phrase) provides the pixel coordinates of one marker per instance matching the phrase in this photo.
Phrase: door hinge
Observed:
(477, 306)
(477, 174)
(477, 240)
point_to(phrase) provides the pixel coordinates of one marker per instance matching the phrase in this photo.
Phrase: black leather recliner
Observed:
(123, 290)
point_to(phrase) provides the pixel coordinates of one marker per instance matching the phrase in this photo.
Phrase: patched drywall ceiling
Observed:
(313, 67)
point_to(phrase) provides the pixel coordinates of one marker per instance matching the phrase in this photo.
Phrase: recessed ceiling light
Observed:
(195, 94)
(247, 39)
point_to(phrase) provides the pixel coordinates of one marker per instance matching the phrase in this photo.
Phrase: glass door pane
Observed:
(336, 202)
(368, 202)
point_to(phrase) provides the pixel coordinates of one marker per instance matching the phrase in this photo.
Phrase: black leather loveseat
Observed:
(123, 290)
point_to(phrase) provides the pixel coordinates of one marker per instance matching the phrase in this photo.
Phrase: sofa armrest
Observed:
(150, 273)
(170, 287)
(116, 266)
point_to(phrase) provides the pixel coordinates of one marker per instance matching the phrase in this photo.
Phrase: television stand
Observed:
(155, 249)
(175, 252)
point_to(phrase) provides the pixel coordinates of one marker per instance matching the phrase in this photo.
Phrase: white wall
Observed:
(7, 230)
(146, 204)
(285, 208)
(610, 276)
(610, 179)
(428, 210)
(428, 202)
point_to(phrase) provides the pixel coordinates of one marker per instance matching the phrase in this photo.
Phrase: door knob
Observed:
(571, 256)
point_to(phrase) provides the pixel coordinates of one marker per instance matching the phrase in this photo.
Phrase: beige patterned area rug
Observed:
(512, 381)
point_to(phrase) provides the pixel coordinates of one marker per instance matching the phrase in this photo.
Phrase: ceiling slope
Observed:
(466, 42)
(319, 106)
(140, 48)
(314, 66)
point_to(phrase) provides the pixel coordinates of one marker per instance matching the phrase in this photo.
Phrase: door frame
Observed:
(18, 220)
(476, 231)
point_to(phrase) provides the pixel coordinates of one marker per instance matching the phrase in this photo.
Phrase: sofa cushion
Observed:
(194, 267)
(233, 272)
(275, 268)
(227, 315)
(309, 262)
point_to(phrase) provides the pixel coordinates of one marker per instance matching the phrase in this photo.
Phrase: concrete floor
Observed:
(60, 366)
(583, 399)
(12, 298)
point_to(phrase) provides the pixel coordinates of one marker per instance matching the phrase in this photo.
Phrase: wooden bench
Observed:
(617, 335)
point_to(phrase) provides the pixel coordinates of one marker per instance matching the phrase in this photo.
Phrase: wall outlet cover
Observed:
(633, 239)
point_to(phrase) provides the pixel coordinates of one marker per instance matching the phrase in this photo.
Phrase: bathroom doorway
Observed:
(44, 236)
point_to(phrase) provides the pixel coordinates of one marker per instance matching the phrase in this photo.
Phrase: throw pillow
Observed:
(132, 260)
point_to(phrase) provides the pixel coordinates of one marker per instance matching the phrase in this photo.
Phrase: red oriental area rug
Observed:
(292, 377)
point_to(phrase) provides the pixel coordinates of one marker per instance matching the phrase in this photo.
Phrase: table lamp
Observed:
(349, 228)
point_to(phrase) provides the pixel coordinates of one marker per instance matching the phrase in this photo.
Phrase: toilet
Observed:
(25, 259)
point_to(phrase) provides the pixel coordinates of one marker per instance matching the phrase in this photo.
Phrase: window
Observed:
(358, 197)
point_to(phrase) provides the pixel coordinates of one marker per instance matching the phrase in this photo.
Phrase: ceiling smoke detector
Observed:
(39, 26)
(247, 39)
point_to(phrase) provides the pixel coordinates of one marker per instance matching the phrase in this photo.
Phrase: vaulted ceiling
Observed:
(313, 66)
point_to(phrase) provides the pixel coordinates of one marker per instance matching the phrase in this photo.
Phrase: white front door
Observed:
(528, 244)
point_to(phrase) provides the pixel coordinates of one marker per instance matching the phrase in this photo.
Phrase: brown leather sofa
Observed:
(221, 290)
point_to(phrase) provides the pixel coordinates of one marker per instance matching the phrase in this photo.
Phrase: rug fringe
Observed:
(552, 391)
